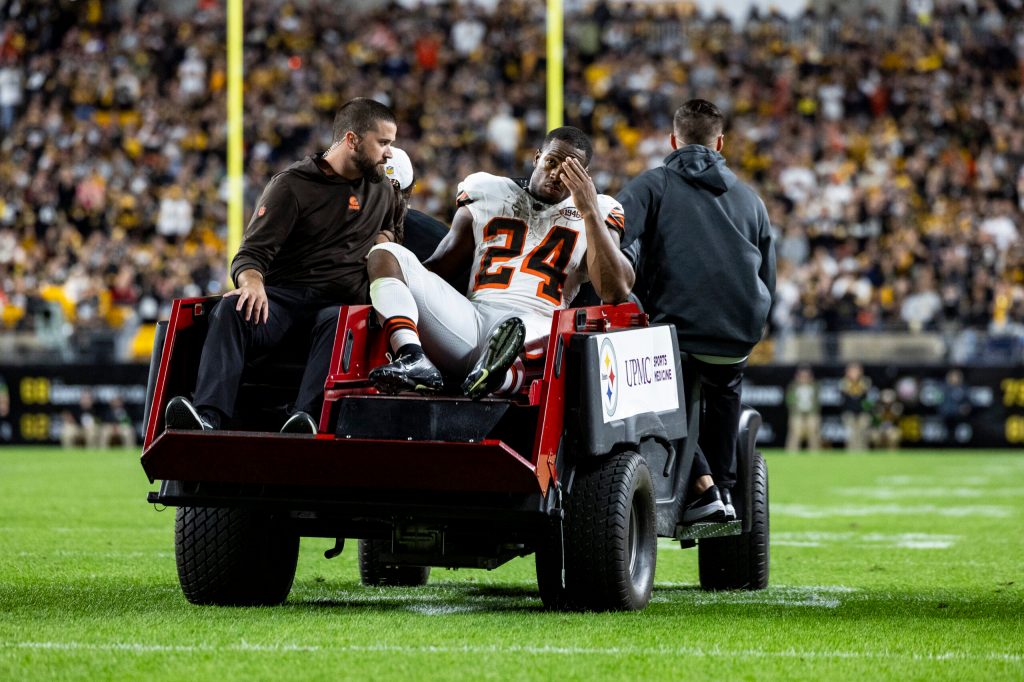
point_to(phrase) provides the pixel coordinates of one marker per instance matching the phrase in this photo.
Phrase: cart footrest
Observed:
(699, 531)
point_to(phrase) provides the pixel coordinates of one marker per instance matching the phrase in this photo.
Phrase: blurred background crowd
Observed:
(888, 144)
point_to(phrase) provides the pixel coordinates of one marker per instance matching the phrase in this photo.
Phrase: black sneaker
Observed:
(412, 371)
(730, 511)
(707, 507)
(502, 349)
(300, 422)
(181, 415)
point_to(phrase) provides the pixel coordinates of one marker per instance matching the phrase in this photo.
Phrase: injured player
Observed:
(530, 245)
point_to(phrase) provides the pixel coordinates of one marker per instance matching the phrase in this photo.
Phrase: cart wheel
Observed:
(610, 540)
(374, 572)
(233, 557)
(740, 562)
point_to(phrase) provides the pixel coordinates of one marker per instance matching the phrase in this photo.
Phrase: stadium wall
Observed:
(37, 402)
(994, 404)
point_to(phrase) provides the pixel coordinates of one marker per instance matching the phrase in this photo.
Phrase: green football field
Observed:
(905, 567)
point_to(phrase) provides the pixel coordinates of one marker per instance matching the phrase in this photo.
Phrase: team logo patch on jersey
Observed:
(261, 212)
(571, 213)
(353, 203)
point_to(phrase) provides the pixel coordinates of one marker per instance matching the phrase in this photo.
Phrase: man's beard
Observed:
(370, 169)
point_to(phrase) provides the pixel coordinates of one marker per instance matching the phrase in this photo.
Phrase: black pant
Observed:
(231, 338)
(720, 418)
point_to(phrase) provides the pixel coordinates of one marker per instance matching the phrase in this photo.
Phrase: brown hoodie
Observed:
(313, 229)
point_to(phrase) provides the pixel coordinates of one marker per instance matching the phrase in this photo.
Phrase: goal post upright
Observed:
(235, 29)
(555, 73)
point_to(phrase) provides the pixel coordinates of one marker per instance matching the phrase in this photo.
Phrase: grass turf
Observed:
(901, 566)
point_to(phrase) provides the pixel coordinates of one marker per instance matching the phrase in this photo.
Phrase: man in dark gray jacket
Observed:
(701, 244)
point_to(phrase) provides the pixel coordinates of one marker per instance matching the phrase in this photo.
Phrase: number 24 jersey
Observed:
(529, 255)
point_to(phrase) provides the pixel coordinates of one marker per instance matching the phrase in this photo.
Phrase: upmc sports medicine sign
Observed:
(638, 370)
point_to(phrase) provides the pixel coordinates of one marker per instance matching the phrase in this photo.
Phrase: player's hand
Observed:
(252, 297)
(581, 186)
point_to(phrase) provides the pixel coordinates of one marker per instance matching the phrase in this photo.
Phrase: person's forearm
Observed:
(609, 270)
(248, 277)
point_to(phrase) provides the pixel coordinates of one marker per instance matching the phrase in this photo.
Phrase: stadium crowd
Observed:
(891, 153)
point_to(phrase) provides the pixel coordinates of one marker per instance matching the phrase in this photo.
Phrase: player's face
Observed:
(546, 183)
(374, 149)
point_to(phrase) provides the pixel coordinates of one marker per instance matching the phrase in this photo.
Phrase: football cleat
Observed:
(412, 371)
(504, 346)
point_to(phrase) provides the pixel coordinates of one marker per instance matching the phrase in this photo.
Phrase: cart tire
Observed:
(375, 573)
(740, 562)
(548, 560)
(233, 557)
(610, 539)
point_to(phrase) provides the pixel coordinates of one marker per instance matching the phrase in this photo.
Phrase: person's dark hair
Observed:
(574, 136)
(698, 122)
(360, 115)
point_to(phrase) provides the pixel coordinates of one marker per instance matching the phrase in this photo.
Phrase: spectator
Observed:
(81, 427)
(804, 405)
(855, 390)
(10, 93)
(885, 421)
(117, 426)
(175, 218)
(955, 406)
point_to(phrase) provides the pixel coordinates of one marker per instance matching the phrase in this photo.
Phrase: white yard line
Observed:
(877, 540)
(928, 492)
(674, 651)
(806, 511)
(80, 553)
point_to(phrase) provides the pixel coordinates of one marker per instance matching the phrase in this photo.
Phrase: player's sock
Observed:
(402, 334)
(522, 373)
(513, 379)
(393, 301)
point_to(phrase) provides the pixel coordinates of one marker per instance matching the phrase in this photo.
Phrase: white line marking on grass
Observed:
(796, 595)
(929, 492)
(443, 609)
(76, 553)
(928, 479)
(850, 539)
(806, 511)
(476, 650)
(108, 530)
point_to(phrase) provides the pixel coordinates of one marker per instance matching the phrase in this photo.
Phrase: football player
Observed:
(529, 245)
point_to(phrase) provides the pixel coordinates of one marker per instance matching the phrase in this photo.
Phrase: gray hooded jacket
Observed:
(701, 244)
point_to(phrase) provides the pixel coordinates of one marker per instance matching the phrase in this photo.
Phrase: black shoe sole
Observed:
(182, 416)
(390, 384)
(503, 348)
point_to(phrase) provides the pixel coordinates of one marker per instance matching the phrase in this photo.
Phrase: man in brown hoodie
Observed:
(302, 256)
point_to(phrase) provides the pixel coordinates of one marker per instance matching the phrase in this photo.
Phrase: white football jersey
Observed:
(529, 255)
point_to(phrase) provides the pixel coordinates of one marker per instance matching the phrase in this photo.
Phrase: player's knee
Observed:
(225, 315)
(386, 260)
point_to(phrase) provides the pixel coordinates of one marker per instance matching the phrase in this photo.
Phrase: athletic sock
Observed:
(527, 368)
(513, 382)
(394, 303)
(402, 333)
